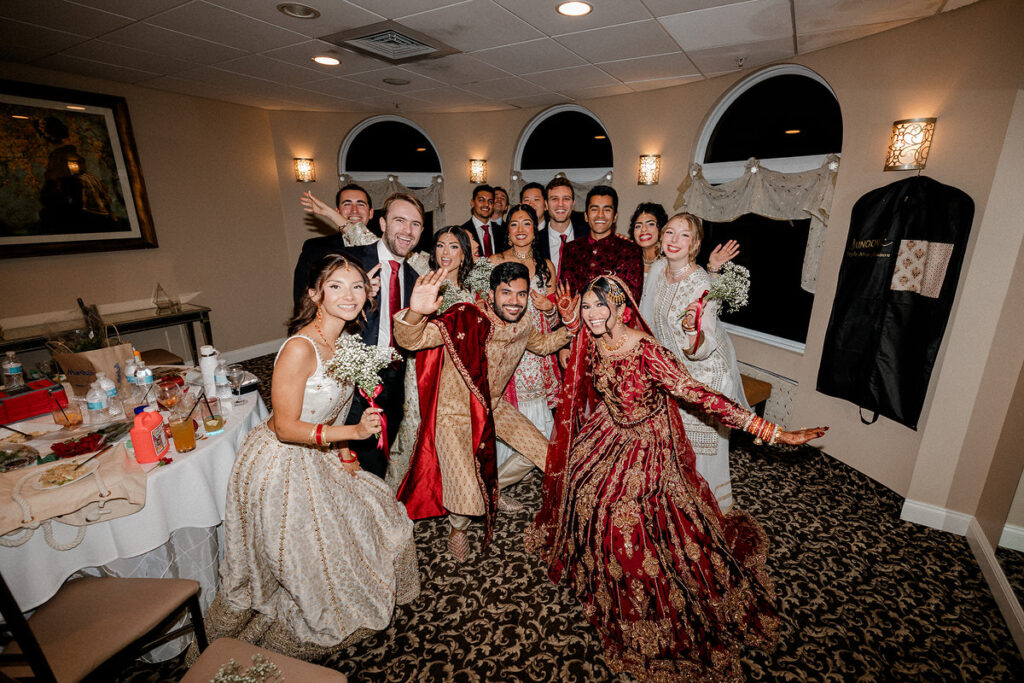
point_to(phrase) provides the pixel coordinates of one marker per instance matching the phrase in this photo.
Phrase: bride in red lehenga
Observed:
(674, 587)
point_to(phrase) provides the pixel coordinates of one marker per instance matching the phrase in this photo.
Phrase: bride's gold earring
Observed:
(319, 315)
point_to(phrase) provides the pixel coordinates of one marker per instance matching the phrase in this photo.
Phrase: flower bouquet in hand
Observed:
(478, 280)
(359, 363)
(731, 288)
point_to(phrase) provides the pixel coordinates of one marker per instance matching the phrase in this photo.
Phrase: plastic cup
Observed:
(183, 431)
(70, 416)
(213, 419)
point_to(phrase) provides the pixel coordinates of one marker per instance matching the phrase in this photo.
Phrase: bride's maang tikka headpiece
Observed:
(616, 295)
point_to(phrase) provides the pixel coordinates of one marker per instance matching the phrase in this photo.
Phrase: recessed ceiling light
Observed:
(18, 116)
(418, 149)
(74, 107)
(396, 81)
(574, 9)
(297, 10)
(792, 131)
(327, 60)
(600, 137)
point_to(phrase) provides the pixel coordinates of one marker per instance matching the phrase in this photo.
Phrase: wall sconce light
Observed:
(478, 171)
(910, 144)
(305, 170)
(650, 169)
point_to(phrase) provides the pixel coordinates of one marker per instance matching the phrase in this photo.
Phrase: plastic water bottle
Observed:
(223, 386)
(143, 383)
(97, 403)
(208, 366)
(130, 367)
(114, 409)
(14, 375)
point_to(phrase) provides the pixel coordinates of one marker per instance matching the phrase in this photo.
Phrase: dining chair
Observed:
(93, 622)
(222, 650)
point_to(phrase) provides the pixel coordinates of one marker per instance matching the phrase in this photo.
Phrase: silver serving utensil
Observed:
(94, 455)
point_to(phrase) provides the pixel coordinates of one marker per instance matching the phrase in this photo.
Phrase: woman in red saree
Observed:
(674, 587)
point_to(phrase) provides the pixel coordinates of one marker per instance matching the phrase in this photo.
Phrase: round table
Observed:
(174, 535)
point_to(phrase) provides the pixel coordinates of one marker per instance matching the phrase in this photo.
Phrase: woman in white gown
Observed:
(672, 286)
(317, 552)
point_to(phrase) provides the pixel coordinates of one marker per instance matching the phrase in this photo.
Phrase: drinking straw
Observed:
(61, 408)
(202, 395)
(17, 431)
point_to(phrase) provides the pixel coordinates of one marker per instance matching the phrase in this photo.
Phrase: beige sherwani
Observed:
(505, 346)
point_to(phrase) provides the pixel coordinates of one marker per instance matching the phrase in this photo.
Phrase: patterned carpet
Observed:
(862, 595)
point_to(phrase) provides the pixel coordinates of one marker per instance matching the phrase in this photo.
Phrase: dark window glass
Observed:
(568, 139)
(392, 147)
(755, 124)
(776, 304)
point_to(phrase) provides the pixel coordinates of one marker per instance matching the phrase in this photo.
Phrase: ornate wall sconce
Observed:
(305, 170)
(911, 141)
(478, 171)
(650, 169)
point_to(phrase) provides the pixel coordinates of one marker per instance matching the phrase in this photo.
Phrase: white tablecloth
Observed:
(173, 535)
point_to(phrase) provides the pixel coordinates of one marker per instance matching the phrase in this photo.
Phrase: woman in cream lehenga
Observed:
(317, 552)
(668, 304)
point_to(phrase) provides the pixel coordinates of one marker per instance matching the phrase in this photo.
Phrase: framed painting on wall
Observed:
(70, 179)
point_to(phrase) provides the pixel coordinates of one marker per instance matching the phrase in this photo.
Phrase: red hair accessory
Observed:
(627, 315)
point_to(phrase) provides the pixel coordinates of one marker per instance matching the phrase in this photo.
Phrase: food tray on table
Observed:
(59, 474)
(15, 456)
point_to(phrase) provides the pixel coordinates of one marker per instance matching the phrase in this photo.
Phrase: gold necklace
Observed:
(647, 261)
(609, 347)
(682, 271)
(519, 256)
(316, 326)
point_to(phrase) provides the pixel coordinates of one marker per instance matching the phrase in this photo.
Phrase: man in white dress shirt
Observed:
(560, 227)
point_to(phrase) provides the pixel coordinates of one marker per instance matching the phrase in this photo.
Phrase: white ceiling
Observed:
(514, 53)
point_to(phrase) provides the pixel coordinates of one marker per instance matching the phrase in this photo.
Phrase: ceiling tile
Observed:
(395, 9)
(88, 67)
(817, 16)
(162, 41)
(658, 83)
(543, 14)
(227, 79)
(120, 55)
(639, 39)
(376, 79)
(504, 88)
(464, 109)
(718, 60)
(21, 42)
(394, 102)
(542, 54)
(449, 95)
(203, 20)
(63, 16)
(663, 8)
(344, 88)
(136, 9)
(309, 98)
(544, 100)
(335, 16)
(456, 69)
(575, 77)
(473, 25)
(600, 91)
(271, 69)
(816, 41)
(302, 54)
(743, 22)
(646, 68)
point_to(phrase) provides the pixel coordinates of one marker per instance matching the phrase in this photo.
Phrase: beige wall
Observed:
(215, 198)
(964, 67)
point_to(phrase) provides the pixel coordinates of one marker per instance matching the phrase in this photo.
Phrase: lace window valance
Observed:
(431, 196)
(580, 190)
(775, 195)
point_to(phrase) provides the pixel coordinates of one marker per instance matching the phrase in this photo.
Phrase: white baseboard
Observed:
(238, 355)
(1003, 593)
(1012, 537)
(935, 517)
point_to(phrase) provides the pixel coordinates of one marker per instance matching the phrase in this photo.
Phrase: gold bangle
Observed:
(312, 436)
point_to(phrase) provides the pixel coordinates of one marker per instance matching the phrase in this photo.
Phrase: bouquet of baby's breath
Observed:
(359, 363)
(478, 280)
(261, 671)
(731, 287)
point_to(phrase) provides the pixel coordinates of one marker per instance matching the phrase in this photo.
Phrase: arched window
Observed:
(389, 145)
(788, 118)
(565, 138)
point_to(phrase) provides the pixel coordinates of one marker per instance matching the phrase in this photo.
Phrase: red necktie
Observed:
(394, 295)
(487, 241)
(561, 253)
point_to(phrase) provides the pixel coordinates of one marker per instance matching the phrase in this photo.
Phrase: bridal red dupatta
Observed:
(465, 331)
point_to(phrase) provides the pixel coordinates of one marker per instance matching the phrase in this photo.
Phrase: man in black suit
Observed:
(354, 206)
(500, 206)
(491, 237)
(401, 227)
(563, 224)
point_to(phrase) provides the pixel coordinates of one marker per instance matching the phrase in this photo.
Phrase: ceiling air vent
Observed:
(391, 42)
